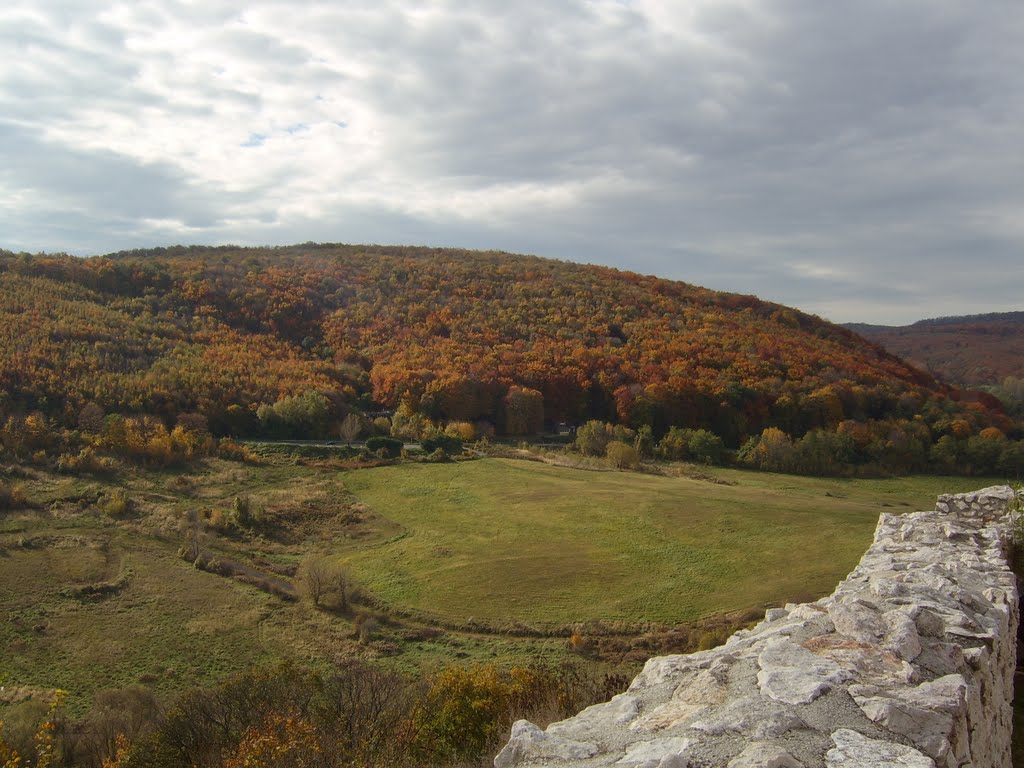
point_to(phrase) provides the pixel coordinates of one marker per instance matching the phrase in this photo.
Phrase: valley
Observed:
(487, 560)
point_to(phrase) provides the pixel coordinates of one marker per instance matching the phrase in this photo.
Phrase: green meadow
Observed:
(456, 558)
(505, 541)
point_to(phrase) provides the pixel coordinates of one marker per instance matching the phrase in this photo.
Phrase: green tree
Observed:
(945, 454)
(982, 454)
(773, 451)
(524, 411)
(644, 442)
(675, 444)
(705, 446)
(593, 437)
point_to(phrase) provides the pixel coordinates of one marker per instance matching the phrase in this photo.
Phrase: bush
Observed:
(29, 732)
(116, 504)
(675, 445)
(451, 445)
(232, 451)
(692, 444)
(706, 447)
(365, 627)
(389, 445)
(622, 456)
(297, 416)
(86, 461)
(772, 451)
(242, 515)
(12, 495)
(463, 430)
(592, 438)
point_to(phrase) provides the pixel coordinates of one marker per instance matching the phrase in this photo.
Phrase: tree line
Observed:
(319, 341)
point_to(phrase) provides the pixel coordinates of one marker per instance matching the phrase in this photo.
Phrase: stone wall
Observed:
(908, 663)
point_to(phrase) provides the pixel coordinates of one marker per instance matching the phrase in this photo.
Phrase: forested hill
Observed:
(513, 341)
(971, 350)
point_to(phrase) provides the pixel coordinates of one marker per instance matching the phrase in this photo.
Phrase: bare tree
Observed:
(350, 427)
(313, 578)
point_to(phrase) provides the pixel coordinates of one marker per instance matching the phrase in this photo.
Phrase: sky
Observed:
(862, 161)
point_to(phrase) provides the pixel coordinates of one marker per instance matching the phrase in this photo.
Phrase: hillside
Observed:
(972, 350)
(509, 342)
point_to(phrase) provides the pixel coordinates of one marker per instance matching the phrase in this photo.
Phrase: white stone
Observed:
(857, 621)
(667, 715)
(902, 637)
(853, 750)
(927, 729)
(753, 716)
(528, 742)
(642, 751)
(763, 755)
(794, 675)
(806, 611)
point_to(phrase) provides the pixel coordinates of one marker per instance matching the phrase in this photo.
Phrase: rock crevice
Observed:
(908, 663)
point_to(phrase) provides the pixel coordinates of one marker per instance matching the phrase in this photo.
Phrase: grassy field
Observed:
(496, 541)
(509, 541)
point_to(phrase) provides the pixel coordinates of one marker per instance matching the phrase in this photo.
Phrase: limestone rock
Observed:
(764, 755)
(528, 742)
(853, 750)
(793, 675)
(595, 721)
(927, 729)
(656, 752)
(902, 637)
(755, 717)
(858, 620)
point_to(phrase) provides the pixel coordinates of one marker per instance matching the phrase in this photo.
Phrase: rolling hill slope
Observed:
(972, 350)
(515, 341)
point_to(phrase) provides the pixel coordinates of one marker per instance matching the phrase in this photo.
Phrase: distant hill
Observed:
(971, 351)
(450, 335)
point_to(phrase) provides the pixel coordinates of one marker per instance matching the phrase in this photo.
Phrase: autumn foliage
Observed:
(288, 342)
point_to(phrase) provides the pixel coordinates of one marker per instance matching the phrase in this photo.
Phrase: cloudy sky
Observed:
(860, 160)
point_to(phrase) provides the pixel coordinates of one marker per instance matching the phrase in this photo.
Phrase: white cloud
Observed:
(746, 146)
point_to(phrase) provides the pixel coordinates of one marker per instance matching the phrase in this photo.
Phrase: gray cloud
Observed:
(859, 161)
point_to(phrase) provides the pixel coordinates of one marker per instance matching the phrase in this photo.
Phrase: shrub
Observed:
(452, 446)
(242, 515)
(438, 456)
(593, 437)
(85, 461)
(622, 455)
(675, 444)
(29, 732)
(463, 430)
(280, 739)
(116, 504)
(644, 442)
(12, 495)
(391, 447)
(366, 627)
(320, 579)
(299, 416)
(772, 451)
(232, 451)
(705, 446)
